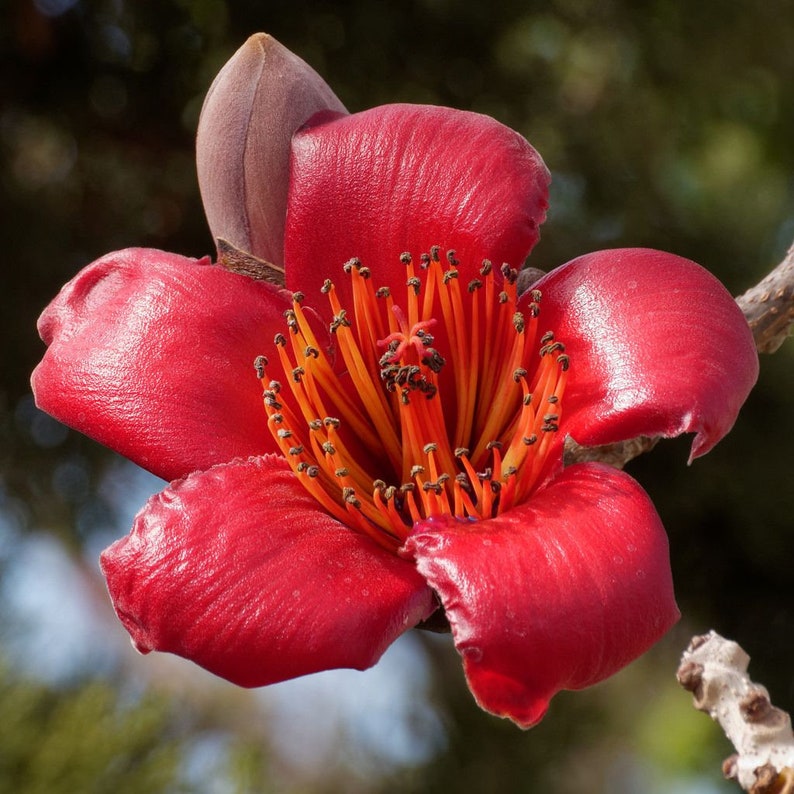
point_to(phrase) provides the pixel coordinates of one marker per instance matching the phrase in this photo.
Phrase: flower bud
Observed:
(253, 107)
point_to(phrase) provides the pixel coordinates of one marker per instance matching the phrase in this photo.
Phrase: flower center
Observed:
(400, 432)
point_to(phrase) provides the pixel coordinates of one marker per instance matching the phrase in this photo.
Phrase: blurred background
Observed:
(664, 123)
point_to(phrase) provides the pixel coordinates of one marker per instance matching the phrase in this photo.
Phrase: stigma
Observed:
(442, 401)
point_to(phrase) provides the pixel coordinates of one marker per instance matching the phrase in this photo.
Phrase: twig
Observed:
(714, 670)
(769, 306)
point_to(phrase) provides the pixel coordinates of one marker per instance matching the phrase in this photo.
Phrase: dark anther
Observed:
(339, 320)
(450, 274)
(331, 421)
(510, 274)
(564, 362)
(510, 471)
(298, 373)
(433, 360)
(494, 445)
(284, 433)
(424, 261)
(277, 418)
(355, 262)
(301, 467)
(461, 452)
(341, 472)
(364, 272)
(275, 386)
(313, 471)
(431, 447)
(552, 348)
(327, 286)
(503, 297)
(378, 485)
(534, 309)
(329, 448)
(451, 257)
(298, 297)
(474, 285)
(407, 486)
(527, 399)
(487, 267)
(496, 486)
(295, 450)
(518, 322)
(311, 352)
(405, 258)
(414, 282)
(260, 362)
(482, 476)
(547, 337)
(518, 374)
(382, 292)
(434, 253)
(529, 440)
(280, 340)
(535, 295)
(435, 487)
(553, 398)
(271, 401)
(417, 469)
(315, 424)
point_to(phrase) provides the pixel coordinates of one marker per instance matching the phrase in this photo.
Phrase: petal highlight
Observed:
(559, 593)
(658, 347)
(152, 354)
(238, 569)
(404, 178)
(257, 101)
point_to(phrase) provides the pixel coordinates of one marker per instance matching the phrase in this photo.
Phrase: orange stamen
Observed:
(381, 446)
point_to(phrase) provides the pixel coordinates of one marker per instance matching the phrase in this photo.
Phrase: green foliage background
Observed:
(665, 124)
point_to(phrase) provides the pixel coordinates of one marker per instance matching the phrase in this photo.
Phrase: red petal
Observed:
(238, 569)
(255, 104)
(658, 347)
(404, 178)
(558, 593)
(152, 354)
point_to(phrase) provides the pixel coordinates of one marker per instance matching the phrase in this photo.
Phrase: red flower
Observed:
(408, 461)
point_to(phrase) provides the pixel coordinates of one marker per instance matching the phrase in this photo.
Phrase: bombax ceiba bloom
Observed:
(405, 465)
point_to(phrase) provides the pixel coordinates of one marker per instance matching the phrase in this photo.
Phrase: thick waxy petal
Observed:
(238, 569)
(259, 98)
(658, 347)
(152, 354)
(404, 178)
(559, 593)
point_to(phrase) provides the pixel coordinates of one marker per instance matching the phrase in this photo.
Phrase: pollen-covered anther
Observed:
(381, 460)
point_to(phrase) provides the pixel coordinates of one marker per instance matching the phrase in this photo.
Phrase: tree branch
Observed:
(769, 306)
(714, 670)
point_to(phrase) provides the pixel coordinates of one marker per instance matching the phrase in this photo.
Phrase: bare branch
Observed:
(769, 306)
(714, 670)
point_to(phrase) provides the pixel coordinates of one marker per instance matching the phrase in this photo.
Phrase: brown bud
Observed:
(253, 107)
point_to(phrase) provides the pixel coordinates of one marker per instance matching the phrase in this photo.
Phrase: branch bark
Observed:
(769, 306)
(714, 670)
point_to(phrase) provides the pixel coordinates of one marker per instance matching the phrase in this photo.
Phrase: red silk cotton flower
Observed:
(405, 466)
